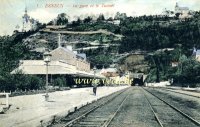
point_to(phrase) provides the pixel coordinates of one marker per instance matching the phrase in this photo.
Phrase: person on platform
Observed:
(95, 89)
(95, 84)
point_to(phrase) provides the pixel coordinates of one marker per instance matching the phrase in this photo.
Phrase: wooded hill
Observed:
(148, 33)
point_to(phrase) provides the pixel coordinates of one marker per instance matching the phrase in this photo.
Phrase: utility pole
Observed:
(157, 71)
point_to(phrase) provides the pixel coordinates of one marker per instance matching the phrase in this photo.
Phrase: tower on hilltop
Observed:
(176, 7)
(26, 21)
(182, 11)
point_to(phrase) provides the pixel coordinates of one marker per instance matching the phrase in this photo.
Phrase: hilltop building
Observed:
(28, 23)
(180, 12)
(179, 9)
(184, 12)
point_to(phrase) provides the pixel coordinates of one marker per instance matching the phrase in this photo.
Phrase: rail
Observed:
(107, 122)
(175, 108)
(181, 93)
(155, 115)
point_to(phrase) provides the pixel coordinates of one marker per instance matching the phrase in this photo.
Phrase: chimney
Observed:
(59, 40)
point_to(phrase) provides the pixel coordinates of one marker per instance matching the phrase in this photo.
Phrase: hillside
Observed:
(152, 33)
(146, 33)
(134, 63)
(103, 41)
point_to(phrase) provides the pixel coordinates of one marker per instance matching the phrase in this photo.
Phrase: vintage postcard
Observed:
(100, 63)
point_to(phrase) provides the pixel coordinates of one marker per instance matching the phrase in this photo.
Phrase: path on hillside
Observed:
(100, 31)
(96, 47)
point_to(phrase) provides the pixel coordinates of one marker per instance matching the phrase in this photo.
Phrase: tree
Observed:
(87, 20)
(177, 15)
(110, 19)
(62, 19)
(120, 16)
(60, 81)
(101, 17)
(76, 23)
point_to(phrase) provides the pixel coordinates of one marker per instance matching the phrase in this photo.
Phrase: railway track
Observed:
(162, 122)
(180, 93)
(154, 113)
(98, 116)
(109, 112)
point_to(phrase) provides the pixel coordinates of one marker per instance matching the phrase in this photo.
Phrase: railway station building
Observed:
(64, 61)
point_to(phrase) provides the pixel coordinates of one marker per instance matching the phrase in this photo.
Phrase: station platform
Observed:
(33, 110)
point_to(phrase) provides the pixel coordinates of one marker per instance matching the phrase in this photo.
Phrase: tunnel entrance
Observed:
(138, 81)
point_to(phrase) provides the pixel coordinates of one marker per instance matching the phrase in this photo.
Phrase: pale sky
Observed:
(12, 10)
